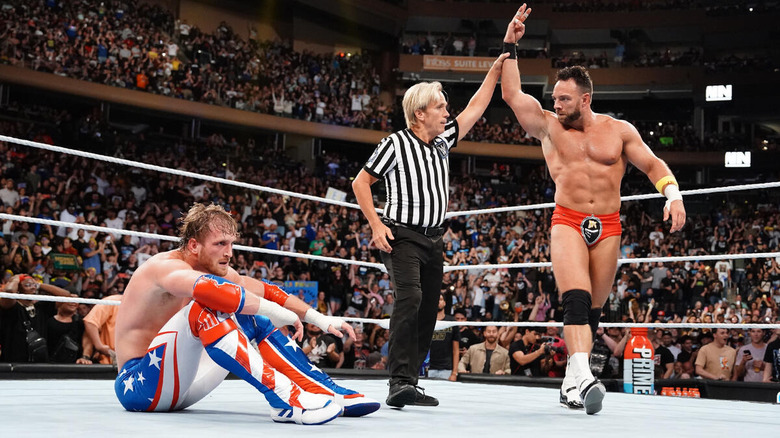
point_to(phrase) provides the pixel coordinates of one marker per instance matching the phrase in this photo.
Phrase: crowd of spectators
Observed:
(649, 58)
(712, 8)
(96, 265)
(140, 47)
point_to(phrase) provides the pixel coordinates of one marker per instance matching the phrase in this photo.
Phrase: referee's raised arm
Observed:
(481, 99)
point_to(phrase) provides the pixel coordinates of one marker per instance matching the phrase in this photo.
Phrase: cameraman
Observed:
(23, 332)
(529, 356)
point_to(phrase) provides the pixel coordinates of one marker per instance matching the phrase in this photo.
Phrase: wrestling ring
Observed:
(88, 407)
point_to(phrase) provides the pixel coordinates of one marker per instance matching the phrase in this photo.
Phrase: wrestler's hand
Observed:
(675, 210)
(298, 335)
(380, 233)
(330, 324)
(347, 327)
(516, 28)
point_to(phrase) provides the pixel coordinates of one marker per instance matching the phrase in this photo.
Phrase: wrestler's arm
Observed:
(179, 279)
(296, 305)
(641, 156)
(527, 109)
(479, 102)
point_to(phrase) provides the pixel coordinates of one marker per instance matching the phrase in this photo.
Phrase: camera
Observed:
(549, 348)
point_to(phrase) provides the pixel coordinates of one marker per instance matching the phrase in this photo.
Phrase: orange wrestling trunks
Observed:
(593, 228)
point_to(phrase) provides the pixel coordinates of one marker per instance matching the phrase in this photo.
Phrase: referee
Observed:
(414, 165)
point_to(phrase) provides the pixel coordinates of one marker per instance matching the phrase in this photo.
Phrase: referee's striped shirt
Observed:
(416, 174)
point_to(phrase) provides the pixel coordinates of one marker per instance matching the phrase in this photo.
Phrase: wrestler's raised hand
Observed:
(516, 28)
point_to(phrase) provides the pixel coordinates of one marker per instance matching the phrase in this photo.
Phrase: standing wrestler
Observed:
(415, 167)
(187, 319)
(586, 154)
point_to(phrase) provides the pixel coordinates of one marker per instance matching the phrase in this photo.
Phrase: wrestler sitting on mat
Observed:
(187, 319)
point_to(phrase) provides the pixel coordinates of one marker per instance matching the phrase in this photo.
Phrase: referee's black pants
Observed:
(415, 268)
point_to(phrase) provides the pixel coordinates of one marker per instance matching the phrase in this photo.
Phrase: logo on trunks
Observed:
(591, 229)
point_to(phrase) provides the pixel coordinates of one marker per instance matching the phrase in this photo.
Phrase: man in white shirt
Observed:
(8, 194)
(68, 215)
(723, 269)
(750, 358)
(113, 221)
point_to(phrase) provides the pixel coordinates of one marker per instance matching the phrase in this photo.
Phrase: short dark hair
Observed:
(579, 75)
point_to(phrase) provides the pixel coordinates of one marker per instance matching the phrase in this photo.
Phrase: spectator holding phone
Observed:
(750, 358)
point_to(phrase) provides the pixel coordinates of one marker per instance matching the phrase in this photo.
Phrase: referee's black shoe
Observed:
(401, 394)
(424, 400)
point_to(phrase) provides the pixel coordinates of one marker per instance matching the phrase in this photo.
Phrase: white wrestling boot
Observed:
(592, 394)
(327, 411)
(570, 395)
(592, 391)
(356, 405)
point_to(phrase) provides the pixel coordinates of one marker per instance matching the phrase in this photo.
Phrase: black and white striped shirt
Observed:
(416, 174)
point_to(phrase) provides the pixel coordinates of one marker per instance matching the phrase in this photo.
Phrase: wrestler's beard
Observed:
(570, 118)
(212, 266)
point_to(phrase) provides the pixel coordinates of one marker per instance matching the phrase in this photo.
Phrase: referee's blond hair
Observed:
(418, 97)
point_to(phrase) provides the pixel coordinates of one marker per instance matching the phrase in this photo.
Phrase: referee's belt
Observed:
(425, 231)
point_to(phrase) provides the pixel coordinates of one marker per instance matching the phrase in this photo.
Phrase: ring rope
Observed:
(14, 217)
(57, 299)
(382, 322)
(709, 257)
(380, 266)
(448, 215)
(178, 172)
(385, 323)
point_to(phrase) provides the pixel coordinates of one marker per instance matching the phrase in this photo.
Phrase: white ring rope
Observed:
(696, 258)
(385, 323)
(58, 299)
(380, 266)
(691, 192)
(36, 220)
(162, 169)
(382, 322)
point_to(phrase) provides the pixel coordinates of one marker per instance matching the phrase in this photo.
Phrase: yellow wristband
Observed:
(661, 183)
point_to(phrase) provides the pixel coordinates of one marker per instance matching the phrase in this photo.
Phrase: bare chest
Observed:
(597, 147)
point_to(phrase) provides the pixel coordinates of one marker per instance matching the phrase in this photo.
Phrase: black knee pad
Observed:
(576, 307)
(595, 316)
